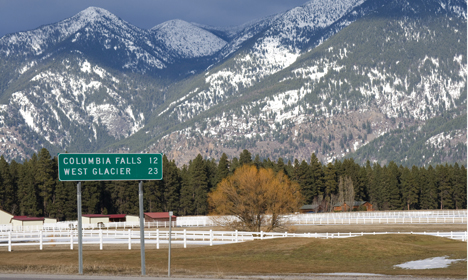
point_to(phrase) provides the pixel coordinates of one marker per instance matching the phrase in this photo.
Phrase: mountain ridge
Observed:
(323, 77)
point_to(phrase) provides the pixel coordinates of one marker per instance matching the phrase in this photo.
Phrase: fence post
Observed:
(71, 239)
(211, 237)
(237, 236)
(129, 239)
(157, 238)
(185, 238)
(100, 239)
(9, 241)
(261, 235)
(40, 240)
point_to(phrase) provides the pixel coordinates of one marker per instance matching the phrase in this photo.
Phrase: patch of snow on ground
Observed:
(437, 262)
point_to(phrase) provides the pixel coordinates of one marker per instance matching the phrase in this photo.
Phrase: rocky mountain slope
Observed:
(335, 78)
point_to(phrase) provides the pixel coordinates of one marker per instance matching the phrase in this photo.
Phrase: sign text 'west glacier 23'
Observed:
(109, 167)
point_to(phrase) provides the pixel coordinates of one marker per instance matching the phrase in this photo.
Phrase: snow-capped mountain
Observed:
(187, 40)
(330, 77)
(334, 96)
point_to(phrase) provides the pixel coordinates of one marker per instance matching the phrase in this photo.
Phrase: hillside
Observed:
(345, 79)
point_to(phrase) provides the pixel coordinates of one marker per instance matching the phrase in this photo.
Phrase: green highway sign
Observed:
(110, 167)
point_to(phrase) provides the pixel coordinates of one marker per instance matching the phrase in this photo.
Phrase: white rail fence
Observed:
(69, 225)
(157, 237)
(352, 218)
(341, 218)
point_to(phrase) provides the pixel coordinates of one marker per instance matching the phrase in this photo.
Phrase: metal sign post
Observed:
(142, 229)
(110, 167)
(169, 256)
(80, 229)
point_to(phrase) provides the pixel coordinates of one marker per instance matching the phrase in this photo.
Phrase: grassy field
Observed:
(368, 254)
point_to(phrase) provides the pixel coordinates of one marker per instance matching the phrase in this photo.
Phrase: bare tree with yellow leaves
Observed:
(256, 197)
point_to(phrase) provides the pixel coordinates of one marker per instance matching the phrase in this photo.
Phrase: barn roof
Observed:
(95, 216)
(117, 216)
(24, 218)
(159, 215)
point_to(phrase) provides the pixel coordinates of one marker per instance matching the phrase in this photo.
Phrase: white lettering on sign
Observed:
(99, 160)
(75, 171)
(107, 171)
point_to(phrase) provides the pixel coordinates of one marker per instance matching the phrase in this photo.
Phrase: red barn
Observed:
(159, 217)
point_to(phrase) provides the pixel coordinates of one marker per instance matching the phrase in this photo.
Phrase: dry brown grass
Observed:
(368, 254)
(380, 228)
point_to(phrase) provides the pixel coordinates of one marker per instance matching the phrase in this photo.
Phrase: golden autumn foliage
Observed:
(257, 197)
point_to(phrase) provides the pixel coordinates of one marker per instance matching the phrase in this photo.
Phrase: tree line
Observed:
(32, 188)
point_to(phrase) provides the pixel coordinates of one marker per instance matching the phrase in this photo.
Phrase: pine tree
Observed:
(330, 183)
(458, 181)
(428, 191)
(316, 171)
(295, 175)
(304, 178)
(187, 206)
(28, 192)
(211, 170)
(125, 195)
(289, 169)
(444, 187)
(65, 201)
(245, 158)
(234, 164)
(14, 172)
(171, 185)
(268, 164)
(91, 197)
(280, 166)
(391, 187)
(223, 168)
(153, 194)
(7, 191)
(361, 187)
(46, 182)
(409, 186)
(199, 182)
(257, 161)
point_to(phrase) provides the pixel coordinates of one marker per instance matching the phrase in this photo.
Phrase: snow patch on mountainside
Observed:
(442, 139)
(187, 40)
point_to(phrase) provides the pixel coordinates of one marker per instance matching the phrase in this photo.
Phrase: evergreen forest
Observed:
(32, 188)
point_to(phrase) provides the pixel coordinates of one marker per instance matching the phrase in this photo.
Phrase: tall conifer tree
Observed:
(199, 182)
(171, 185)
(187, 195)
(7, 189)
(245, 157)
(223, 168)
(444, 187)
(45, 179)
(28, 192)
(316, 171)
(428, 191)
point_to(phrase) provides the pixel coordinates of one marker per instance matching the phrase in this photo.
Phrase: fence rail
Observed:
(157, 237)
(340, 218)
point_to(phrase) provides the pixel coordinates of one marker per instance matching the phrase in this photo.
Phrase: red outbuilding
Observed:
(159, 217)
